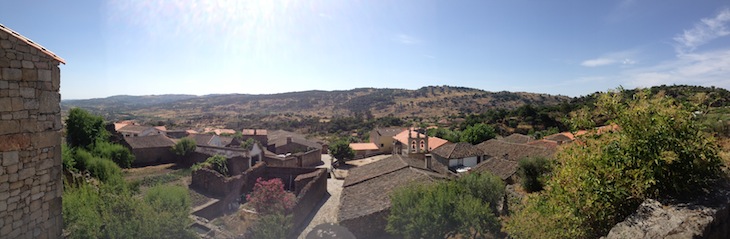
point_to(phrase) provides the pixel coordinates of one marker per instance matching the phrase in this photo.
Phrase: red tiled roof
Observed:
(433, 142)
(363, 146)
(32, 43)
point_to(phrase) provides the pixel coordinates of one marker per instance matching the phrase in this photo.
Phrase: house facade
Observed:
(458, 157)
(150, 149)
(383, 138)
(413, 142)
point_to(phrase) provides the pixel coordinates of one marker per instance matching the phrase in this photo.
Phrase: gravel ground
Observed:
(327, 211)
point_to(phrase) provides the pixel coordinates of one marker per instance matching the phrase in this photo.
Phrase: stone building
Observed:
(30, 139)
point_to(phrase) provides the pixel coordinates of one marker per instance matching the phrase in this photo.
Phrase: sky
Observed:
(566, 47)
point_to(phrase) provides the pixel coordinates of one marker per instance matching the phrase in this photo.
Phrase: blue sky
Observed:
(270, 46)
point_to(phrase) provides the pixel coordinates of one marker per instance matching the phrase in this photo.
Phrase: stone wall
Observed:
(707, 216)
(30, 139)
(153, 156)
(315, 188)
(215, 183)
(311, 158)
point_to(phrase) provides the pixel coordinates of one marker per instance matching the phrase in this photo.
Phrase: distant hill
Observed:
(296, 110)
(426, 102)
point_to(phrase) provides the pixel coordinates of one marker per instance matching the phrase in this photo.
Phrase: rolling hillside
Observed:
(431, 102)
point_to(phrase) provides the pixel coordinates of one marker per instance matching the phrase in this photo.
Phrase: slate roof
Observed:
(133, 128)
(149, 141)
(517, 138)
(367, 188)
(388, 132)
(498, 166)
(457, 151)
(561, 137)
(278, 138)
(512, 151)
(202, 139)
(32, 43)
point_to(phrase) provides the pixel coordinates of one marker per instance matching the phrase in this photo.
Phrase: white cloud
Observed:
(621, 57)
(598, 62)
(703, 32)
(406, 39)
(708, 69)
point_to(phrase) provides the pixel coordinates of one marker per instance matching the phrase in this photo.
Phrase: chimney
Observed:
(254, 131)
(427, 160)
(288, 140)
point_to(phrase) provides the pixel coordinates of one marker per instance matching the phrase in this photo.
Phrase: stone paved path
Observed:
(328, 210)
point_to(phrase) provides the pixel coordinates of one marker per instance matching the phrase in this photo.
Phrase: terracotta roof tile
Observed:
(363, 146)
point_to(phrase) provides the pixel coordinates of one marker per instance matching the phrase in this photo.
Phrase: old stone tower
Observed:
(30, 139)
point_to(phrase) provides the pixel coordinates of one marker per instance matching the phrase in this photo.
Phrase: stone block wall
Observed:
(30, 139)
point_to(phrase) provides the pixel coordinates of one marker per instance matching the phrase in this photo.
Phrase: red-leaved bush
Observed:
(269, 197)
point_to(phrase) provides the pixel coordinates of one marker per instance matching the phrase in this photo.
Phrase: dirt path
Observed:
(327, 211)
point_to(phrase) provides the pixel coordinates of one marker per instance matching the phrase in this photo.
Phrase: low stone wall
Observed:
(706, 217)
(213, 182)
(309, 196)
(311, 158)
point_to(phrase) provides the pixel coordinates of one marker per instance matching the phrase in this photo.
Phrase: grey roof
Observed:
(278, 138)
(202, 139)
(457, 151)
(498, 166)
(517, 138)
(367, 188)
(512, 151)
(149, 141)
(134, 128)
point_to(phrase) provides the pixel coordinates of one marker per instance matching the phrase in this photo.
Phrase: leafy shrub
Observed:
(531, 171)
(269, 197)
(272, 226)
(184, 146)
(660, 150)
(101, 168)
(106, 212)
(67, 157)
(116, 152)
(216, 162)
(466, 206)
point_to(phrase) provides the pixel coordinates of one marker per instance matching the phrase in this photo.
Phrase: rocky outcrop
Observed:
(705, 217)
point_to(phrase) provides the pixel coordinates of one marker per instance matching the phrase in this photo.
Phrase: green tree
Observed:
(531, 171)
(116, 152)
(660, 150)
(84, 129)
(184, 146)
(447, 209)
(478, 133)
(341, 151)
